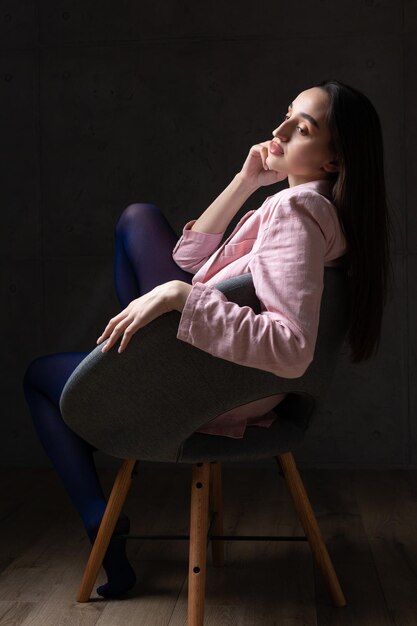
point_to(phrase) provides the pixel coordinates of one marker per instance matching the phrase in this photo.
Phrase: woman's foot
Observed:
(120, 574)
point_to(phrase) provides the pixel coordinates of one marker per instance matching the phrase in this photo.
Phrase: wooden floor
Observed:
(368, 520)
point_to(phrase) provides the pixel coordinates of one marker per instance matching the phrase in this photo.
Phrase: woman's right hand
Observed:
(255, 170)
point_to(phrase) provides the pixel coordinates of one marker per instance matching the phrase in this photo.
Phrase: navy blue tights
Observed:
(144, 241)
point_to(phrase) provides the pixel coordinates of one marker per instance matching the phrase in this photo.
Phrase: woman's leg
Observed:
(72, 458)
(143, 254)
(143, 259)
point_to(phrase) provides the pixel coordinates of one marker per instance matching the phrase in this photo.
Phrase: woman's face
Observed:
(304, 137)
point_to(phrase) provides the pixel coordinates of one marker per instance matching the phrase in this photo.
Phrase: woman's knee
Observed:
(49, 372)
(136, 212)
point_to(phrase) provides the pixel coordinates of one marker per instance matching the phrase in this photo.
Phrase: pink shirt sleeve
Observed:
(287, 270)
(193, 248)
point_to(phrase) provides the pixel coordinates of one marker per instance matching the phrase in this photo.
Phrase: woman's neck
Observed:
(294, 180)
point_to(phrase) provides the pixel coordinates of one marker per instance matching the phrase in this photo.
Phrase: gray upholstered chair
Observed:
(171, 412)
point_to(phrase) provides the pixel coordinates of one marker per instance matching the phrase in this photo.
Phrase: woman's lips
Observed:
(275, 148)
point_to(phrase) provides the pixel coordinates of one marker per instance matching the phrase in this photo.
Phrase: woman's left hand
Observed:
(163, 298)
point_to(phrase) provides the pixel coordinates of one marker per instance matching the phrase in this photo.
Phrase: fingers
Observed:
(133, 317)
(106, 332)
(117, 331)
(263, 151)
(264, 156)
(130, 330)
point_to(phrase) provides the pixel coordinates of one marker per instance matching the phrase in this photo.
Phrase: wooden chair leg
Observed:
(107, 526)
(216, 508)
(200, 485)
(310, 526)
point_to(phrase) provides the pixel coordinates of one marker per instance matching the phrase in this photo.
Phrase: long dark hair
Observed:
(359, 195)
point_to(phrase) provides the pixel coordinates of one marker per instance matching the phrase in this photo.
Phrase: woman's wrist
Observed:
(181, 292)
(249, 186)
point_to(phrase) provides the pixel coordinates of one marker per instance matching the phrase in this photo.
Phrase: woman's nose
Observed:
(280, 133)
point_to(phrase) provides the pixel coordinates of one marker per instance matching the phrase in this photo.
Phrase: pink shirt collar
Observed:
(323, 186)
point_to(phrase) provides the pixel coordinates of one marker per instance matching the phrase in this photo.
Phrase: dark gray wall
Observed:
(108, 103)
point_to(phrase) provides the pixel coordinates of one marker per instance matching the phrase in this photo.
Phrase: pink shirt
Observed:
(285, 245)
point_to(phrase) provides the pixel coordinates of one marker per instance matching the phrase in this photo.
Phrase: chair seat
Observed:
(284, 434)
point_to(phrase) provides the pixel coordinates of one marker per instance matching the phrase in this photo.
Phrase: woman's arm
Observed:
(200, 239)
(218, 215)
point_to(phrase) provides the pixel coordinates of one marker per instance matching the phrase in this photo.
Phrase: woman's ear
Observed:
(331, 166)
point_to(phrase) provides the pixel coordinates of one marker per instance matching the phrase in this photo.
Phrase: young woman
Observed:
(329, 146)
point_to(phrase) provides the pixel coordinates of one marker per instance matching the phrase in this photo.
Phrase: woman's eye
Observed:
(301, 130)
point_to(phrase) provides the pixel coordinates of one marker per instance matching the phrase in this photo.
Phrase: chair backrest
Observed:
(146, 402)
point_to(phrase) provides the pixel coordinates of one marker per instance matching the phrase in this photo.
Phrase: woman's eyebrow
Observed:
(307, 117)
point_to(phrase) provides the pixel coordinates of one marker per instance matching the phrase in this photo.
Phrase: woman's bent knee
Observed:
(135, 211)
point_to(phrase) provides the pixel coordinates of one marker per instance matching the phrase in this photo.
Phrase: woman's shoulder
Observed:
(307, 199)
